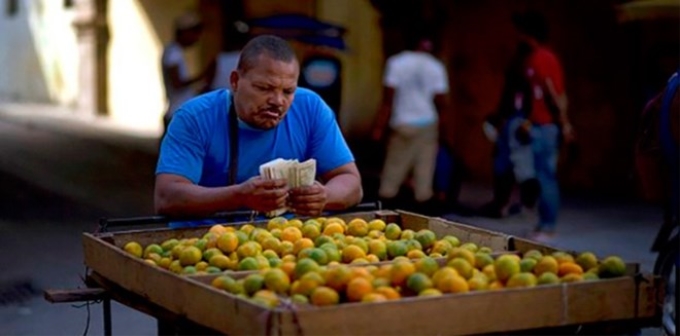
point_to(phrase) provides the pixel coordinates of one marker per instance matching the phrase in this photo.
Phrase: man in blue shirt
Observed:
(210, 157)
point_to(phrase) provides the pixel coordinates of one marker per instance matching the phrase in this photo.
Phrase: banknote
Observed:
(297, 174)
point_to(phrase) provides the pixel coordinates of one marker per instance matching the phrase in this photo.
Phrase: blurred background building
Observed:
(101, 58)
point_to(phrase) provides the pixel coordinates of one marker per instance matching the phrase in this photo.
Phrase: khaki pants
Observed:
(410, 149)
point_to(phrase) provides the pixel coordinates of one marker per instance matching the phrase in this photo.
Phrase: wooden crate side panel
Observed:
(602, 300)
(183, 297)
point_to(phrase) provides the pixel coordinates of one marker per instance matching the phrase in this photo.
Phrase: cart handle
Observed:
(105, 223)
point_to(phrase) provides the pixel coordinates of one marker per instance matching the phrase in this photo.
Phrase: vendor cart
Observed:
(188, 304)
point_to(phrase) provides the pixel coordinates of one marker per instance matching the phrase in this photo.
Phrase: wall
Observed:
(139, 29)
(39, 57)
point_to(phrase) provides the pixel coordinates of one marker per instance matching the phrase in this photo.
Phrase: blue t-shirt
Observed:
(196, 145)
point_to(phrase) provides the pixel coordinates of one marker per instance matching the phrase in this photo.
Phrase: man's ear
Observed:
(233, 80)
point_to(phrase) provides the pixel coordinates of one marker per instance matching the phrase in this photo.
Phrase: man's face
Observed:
(263, 94)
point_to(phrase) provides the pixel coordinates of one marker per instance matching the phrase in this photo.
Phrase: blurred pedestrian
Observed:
(178, 83)
(227, 59)
(500, 128)
(547, 126)
(415, 91)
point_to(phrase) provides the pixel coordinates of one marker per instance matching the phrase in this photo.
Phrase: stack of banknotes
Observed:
(298, 174)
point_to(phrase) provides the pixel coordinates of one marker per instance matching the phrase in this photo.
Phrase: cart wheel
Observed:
(666, 266)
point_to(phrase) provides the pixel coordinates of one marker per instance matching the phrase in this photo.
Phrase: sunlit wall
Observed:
(139, 29)
(38, 53)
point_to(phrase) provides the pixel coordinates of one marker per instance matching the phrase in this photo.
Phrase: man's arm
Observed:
(175, 195)
(343, 187)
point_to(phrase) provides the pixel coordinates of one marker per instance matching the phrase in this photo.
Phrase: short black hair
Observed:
(533, 24)
(274, 46)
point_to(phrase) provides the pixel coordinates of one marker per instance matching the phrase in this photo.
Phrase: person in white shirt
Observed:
(415, 91)
(179, 85)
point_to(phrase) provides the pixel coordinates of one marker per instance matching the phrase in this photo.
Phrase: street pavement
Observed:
(60, 174)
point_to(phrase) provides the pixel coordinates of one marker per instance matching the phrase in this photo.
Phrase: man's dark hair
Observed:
(533, 24)
(273, 46)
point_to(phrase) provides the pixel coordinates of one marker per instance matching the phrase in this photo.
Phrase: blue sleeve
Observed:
(327, 145)
(182, 150)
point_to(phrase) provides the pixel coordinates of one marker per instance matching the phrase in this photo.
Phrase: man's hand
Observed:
(308, 201)
(264, 195)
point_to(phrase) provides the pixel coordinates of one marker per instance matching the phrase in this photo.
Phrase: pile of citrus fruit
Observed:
(282, 242)
(462, 270)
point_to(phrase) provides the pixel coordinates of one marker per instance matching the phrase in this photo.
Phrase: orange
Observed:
(533, 254)
(462, 266)
(562, 257)
(276, 280)
(442, 247)
(430, 292)
(333, 228)
(478, 282)
(337, 277)
(490, 272)
(415, 254)
(396, 249)
(169, 244)
(378, 248)
(248, 249)
(248, 264)
(291, 234)
(253, 283)
(190, 256)
(418, 282)
(324, 296)
(361, 272)
(311, 231)
(152, 248)
(352, 252)
(286, 248)
(302, 244)
(296, 223)
(373, 297)
(272, 243)
(427, 265)
(308, 283)
(496, 285)
(453, 284)
(612, 267)
(304, 266)
(211, 252)
(357, 227)
(586, 260)
(372, 258)
(548, 278)
(319, 255)
(223, 282)
(276, 223)
(248, 228)
(217, 229)
(220, 261)
(227, 242)
(426, 238)
(470, 246)
(388, 292)
(506, 266)
(400, 272)
(482, 260)
(442, 273)
(377, 225)
(357, 288)
(569, 268)
(572, 277)
(527, 264)
(453, 240)
(134, 248)
(518, 280)
(407, 234)
(546, 264)
(392, 231)
(266, 297)
(289, 268)
(460, 252)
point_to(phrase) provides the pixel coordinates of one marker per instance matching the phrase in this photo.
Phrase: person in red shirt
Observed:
(546, 126)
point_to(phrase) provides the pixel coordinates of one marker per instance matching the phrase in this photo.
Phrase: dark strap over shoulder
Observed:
(232, 120)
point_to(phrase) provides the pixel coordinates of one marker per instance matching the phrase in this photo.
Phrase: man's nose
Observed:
(276, 98)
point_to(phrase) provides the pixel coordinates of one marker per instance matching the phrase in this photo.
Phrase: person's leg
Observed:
(545, 146)
(425, 155)
(503, 177)
(398, 162)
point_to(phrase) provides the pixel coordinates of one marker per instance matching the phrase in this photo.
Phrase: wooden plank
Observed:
(465, 233)
(74, 295)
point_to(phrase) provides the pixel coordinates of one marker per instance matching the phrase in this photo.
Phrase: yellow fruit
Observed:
(377, 224)
(427, 266)
(308, 283)
(357, 288)
(211, 252)
(415, 254)
(352, 252)
(527, 264)
(490, 272)
(223, 282)
(546, 264)
(518, 280)
(269, 254)
(407, 234)
(249, 249)
(228, 242)
(134, 248)
(562, 257)
(533, 254)
(426, 238)
(286, 248)
(482, 260)
(588, 276)
(276, 223)
(454, 284)
(430, 292)
(388, 292)
(333, 228)
(461, 266)
(400, 271)
(453, 240)
(301, 244)
(165, 263)
(175, 267)
(442, 273)
(337, 277)
(190, 256)
(612, 267)
(276, 280)
(220, 261)
(357, 227)
(496, 285)
(586, 260)
(266, 297)
(248, 264)
(470, 246)
(152, 248)
(291, 234)
(253, 283)
(373, 297)
(569, 268)
(378, 248)
(296, 223)
(396, 248)
(478, 282)
(372, 258)
(571, 277)
(418, 282)
(299, 299)
(548, 278)
(392, 231)
(311, 231)
(506, 266)
(304, 266)
(324, 296)
(247, 229)
(460, 252)
(442, 247)
(201, 266)
(169, 244)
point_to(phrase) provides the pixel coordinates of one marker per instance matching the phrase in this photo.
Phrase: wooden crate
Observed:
(623, 298)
